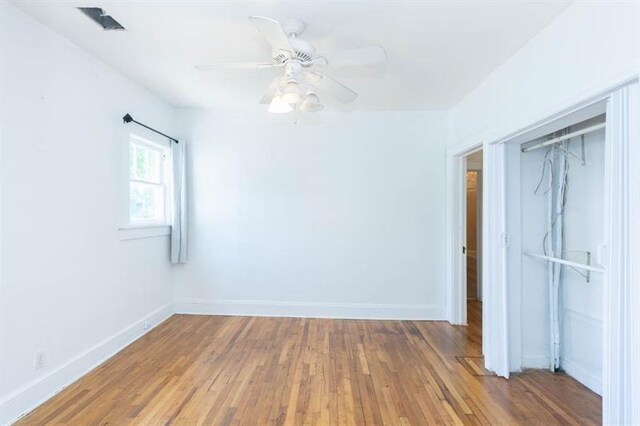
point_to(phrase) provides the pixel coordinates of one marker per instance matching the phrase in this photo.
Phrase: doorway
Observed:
(473, 239)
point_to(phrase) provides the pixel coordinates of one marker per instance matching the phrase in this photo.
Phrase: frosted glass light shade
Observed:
(279, 106)
(291, 93)
(311, 103)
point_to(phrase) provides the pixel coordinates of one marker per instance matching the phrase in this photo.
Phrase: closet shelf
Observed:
(566, 262)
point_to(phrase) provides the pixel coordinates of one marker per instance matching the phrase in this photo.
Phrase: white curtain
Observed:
(621, 361)
(179, 216)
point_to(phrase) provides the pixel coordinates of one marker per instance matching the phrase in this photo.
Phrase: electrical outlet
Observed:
(146, 325)
(38, 363)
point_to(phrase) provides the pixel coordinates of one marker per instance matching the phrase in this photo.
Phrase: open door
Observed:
(473, 239)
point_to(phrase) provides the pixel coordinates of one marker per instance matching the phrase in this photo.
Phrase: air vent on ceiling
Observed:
(100, 17)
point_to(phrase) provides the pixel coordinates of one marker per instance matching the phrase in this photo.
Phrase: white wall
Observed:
(581, 302)
(70, 287)
(587, 48)
(340, 215)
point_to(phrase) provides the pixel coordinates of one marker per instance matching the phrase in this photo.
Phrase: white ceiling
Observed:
(438, 50)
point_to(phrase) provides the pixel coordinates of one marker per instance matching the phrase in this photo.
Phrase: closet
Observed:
(562, 192)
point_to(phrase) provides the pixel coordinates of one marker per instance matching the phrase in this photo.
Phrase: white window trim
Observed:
(142, 229)
(140, 232)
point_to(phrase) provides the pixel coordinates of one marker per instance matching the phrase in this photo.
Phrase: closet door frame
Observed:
(621, 284)
(495, 321)
(456, 237)
(621, 292)
(621, 287)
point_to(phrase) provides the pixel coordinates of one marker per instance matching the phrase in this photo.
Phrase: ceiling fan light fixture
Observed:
(311, 103)
(279, 106)
(291, 92)
(296, 87)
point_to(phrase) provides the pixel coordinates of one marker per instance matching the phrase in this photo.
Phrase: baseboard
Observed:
(29, 396)
(583, 375)
(535, 361)
(310, 310)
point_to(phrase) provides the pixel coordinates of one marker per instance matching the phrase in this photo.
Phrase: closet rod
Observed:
(565, 137)
(566, 262)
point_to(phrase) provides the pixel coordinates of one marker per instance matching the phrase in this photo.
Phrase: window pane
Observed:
(132, 160)
(145, 163)
(153, 165)
(146, 202)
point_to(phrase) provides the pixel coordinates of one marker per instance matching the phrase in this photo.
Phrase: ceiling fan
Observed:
(300, 83)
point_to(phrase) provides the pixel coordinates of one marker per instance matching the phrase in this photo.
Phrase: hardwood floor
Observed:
(251, 371)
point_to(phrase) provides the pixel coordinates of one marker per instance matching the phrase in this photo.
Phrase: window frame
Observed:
(163, 154)
(136, 229)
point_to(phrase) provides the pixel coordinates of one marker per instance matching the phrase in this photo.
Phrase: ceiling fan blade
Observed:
(331, 86)
(235, 66)
(271, 91)
(272, 31)
(356, 57)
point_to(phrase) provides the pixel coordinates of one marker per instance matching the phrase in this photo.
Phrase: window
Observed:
(149, 196)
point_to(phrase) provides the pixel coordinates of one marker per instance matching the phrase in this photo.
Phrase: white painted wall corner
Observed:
(32, 394)
(584, 375)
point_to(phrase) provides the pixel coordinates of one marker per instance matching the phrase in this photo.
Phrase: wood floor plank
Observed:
(206, 370)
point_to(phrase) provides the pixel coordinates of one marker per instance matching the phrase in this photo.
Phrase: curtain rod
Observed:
(565, 137)
(128, 119)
